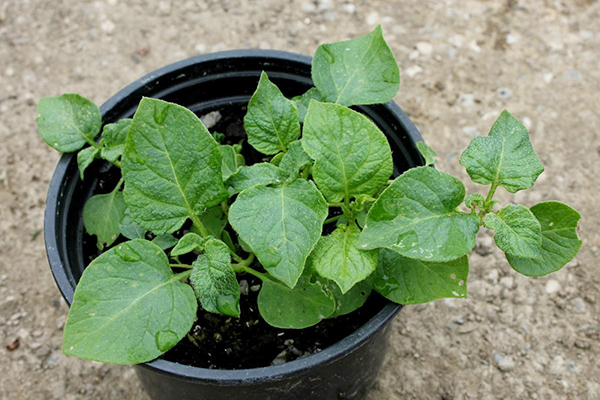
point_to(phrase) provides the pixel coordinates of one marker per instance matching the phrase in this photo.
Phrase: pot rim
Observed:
(221, 377)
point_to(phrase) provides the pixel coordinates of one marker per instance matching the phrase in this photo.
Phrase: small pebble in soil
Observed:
(244, 288)
(552, 286)
(504, 364)
(12, 346)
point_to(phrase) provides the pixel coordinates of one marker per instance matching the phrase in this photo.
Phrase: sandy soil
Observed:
(462, 61)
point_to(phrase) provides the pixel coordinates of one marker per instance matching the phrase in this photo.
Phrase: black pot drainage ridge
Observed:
(220, 81)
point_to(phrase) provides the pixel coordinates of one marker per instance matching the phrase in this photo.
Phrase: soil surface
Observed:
(463, 62)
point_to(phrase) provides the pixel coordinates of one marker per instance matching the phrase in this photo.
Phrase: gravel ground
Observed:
(462, 62)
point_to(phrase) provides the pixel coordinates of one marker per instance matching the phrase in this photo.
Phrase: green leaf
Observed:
(352, 300)
(303, 101)
(272, 120)
(517, 231)
(294, 160)
(165, 241)
(281, 225)
(335, 257)
(102, 214)
(408, 281)
(188, 243)
(298, 308)
(474, 200)
(231, 161)
(214, 280)
(128, 307)
(85, 158)
(214, 220)
(560, 241)
(171, 166)
(129, 228)
(358, 71)
(260, 174)
(504, 158)
(66, 123)
(113, 139)
(351, 154)
(276, 160)
(429, 155)
(417, 216)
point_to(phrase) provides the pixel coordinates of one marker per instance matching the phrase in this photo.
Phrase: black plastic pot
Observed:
(206, 83)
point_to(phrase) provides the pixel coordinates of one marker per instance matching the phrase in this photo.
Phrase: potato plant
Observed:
(325, 167)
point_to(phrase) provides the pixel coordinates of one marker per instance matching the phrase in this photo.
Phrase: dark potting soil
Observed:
(221, 342)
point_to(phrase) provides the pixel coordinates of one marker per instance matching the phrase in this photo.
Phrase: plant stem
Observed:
(335, 204)
(201, 228)
(225, 207)
(390, 181)
(333, 219)
(490, 196)
(121, 181)
(91, 142)
(235, 256)
(186, 266)
(250, 271)
(183, 275)
(117, 163)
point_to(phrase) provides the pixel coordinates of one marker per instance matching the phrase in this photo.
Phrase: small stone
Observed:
(12, 346)
(108, 26)
(474, 46)
(280, 359)
(450, 302)
(210, 120)
(493, 275)
(557, 365)
(507, 282)
(571, 366)
(466, 100)
(579, 305)
(413, 71)
(471, 131)
(308, 7)
(504, 93)
(424, 48)
(244, 287)
(325, 5)
(414, 55)
(548, 77)
(373, 18)
(164, 7)
(512, 38)
(504, 364)
(10, 71)
(552, 286)
(3, 277)
(349, 8)
(527, 122)
(200, 48)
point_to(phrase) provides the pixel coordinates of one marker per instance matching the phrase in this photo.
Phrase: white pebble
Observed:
(350, 8)
(507, 282)
(414, 70)
(373, 18)
(527, 122)
(552, 286)
(108, 26)
(512, 38)
(548, 77)
(471, 131)
(424, 48)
